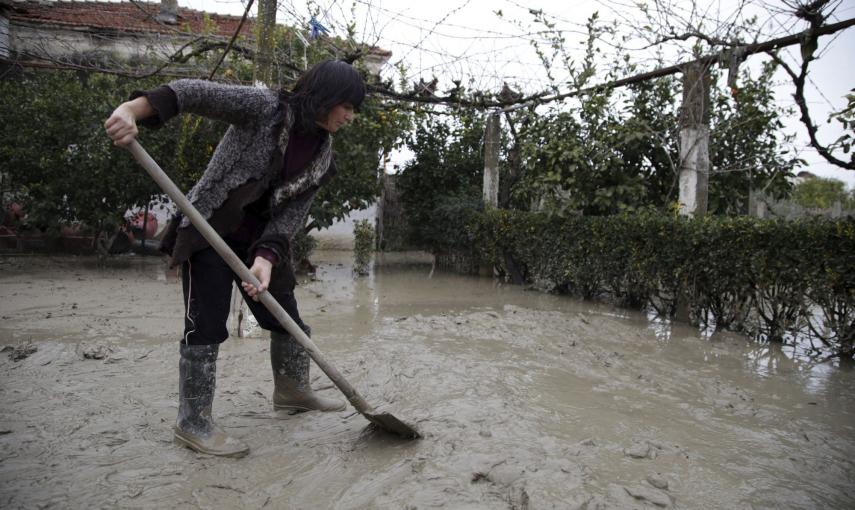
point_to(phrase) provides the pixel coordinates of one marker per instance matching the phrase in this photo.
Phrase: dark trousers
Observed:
(207, 281)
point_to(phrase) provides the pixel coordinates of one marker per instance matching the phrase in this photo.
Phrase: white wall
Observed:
(4, 37)
(339, 236)
(55, 42)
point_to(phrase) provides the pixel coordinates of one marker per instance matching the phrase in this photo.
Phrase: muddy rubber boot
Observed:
(292, 388)
(195, 427)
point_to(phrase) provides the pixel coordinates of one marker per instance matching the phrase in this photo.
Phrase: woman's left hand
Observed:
(261, 269)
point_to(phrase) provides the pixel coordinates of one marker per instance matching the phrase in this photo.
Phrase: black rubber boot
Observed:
(292, 388)
(195, 427)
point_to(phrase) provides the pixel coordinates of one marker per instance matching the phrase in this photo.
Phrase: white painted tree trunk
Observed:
(492, 141)
(694, 170)
(695, 140)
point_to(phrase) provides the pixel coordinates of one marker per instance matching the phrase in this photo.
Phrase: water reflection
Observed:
(401, 285)
(795, 358)
(659, 324)
(153, 267)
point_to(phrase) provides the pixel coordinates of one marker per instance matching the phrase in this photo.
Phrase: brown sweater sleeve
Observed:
(164, 102)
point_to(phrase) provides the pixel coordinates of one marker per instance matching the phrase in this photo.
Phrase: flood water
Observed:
(525, 400)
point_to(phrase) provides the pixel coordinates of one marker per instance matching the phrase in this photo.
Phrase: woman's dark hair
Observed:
(325, 85)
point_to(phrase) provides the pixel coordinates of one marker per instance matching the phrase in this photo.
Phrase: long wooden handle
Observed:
(243, 272)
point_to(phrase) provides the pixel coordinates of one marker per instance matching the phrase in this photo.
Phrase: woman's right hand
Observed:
(261, 269)
(122, 125)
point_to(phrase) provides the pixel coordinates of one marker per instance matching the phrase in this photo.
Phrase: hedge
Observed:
(768, 278)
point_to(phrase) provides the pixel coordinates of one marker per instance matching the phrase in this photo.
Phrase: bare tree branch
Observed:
(232, 40)
(813, 13)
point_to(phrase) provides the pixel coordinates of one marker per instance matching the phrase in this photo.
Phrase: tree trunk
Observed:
(264, 47)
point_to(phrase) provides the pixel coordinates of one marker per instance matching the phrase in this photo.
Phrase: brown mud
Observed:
(526, 400)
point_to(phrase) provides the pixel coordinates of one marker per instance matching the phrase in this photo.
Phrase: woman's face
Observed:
(339, 116)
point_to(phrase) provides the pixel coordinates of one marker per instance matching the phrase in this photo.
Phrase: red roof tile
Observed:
(122, 17)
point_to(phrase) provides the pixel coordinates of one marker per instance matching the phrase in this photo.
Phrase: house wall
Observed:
(55, 42)
(339, 236)
(4, 36)
(374, 63)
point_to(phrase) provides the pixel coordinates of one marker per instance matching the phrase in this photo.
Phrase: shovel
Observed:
(384, 421)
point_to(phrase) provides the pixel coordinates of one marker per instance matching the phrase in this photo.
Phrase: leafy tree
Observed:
(617, 152)
(846, 118)
(61, 165)
(650, 144)
(816, 192)
(581, 157)
(572, 161)
(448, 164)
(608, 151)
(747, 150)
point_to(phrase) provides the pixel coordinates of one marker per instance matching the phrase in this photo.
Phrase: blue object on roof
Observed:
(316, 29)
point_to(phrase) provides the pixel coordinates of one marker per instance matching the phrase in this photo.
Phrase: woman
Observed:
(256, 193)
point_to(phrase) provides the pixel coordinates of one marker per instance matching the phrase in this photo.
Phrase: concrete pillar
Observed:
(757, 204)
(836, 210)
(694, 140)
(492, 144)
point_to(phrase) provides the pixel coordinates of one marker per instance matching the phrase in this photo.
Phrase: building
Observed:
(43, 33)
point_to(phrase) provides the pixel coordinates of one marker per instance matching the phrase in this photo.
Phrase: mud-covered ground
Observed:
(525, 400)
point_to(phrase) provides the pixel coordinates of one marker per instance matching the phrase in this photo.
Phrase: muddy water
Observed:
(526, 400)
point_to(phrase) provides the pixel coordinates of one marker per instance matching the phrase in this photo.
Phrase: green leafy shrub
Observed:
(831, 292)
(448, 168)
(363, 246)
(765, 277)
(817, 192)
(302, 247)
